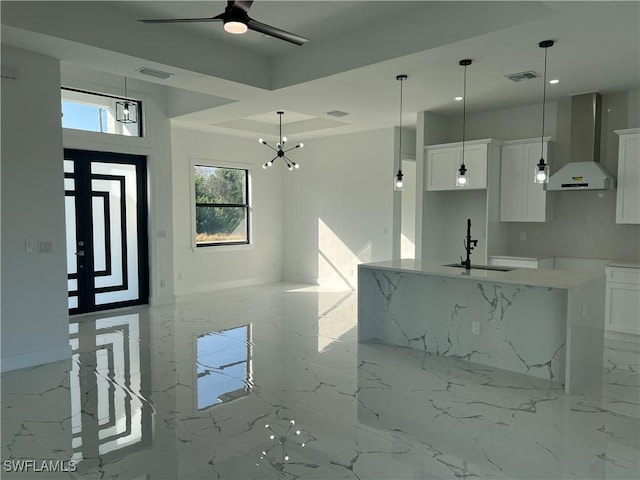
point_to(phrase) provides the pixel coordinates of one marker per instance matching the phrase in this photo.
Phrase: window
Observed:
(222, 206)
(96, 112)
(224, 366)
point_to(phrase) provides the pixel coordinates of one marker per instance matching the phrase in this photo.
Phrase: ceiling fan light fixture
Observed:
(235, 27)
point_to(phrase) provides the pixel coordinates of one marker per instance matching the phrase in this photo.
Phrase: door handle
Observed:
(80, 253)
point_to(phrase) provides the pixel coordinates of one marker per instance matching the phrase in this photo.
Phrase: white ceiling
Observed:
(354, 53)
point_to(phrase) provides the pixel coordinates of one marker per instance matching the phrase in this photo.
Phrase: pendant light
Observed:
(398, 178)
(279, 149)
(542, 168)
(126, 110)
(461, 179)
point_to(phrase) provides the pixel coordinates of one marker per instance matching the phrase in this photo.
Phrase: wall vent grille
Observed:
(337, 113)
(154, 73)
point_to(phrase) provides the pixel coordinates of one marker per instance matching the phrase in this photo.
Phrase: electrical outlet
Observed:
(163, 283)
(523, 235)
(475, 328)
(44, 246)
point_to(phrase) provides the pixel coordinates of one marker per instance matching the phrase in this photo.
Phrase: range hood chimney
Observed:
(584, 172)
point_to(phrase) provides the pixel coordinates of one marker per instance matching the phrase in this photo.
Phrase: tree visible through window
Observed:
(222, 205)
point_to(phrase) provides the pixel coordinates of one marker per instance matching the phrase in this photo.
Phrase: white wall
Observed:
(338, 207)
(210, 268)
(35, 327)
(156, 146)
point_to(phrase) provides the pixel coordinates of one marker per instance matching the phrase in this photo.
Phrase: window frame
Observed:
(207, 163)
(115, 98)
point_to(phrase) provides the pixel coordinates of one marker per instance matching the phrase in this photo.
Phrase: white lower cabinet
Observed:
(522, 262)
(622, 307)
(522, 200)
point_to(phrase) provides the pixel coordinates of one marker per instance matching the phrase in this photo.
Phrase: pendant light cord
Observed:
(280, 115)
(544, 99)
(464, 110)
(400, 135)
(465, 63)
(402, 78)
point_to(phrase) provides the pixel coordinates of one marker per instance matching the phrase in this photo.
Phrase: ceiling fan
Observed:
(236, 20)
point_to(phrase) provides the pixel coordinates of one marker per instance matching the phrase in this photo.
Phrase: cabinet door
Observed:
(534, 204)
(628, 194)
(441, 168)
(511, 191)
(623, 308)
(475, 158)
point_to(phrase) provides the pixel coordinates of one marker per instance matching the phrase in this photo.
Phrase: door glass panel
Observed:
(73, 302)
(117, 183)
(100, 214)
(68, 166)
(70, 219)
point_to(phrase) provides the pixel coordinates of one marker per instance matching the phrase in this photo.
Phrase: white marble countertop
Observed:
(520, 276)
(624, 264)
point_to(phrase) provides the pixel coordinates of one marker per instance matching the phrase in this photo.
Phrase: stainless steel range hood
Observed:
(584, 172)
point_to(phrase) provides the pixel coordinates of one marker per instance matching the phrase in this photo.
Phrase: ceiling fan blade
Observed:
(185, 20)
(275, 32)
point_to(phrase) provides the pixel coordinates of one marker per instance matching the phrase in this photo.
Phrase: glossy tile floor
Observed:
(270, 382)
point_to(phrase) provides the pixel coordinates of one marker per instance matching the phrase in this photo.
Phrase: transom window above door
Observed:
(96, 112)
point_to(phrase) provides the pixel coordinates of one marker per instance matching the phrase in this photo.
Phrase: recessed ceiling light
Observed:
(458, 99)
(554, 81)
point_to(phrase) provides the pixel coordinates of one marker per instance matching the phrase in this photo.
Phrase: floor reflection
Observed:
(110, 417)
(184, 392)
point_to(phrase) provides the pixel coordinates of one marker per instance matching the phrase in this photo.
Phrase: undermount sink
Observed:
(481, 267)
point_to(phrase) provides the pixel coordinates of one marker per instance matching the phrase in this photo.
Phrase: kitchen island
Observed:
(544, 323)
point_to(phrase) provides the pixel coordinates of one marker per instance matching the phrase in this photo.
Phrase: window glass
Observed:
(95, 112)
(222, 207)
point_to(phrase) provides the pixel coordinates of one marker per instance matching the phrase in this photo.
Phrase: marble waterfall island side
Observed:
(544, 323)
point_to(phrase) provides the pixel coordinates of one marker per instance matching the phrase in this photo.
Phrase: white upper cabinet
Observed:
(522, 200)
(628, 195)
(443, 162)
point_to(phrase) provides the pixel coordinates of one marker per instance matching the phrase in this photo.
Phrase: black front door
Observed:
(106, 219)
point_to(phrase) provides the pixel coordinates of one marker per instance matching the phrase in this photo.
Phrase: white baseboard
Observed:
(164, 300)
(32, 359)
(622, 337)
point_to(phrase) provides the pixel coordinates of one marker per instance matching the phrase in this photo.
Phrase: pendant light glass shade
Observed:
(461, 177)
(398, 179)
(541, 171)
(126, 110)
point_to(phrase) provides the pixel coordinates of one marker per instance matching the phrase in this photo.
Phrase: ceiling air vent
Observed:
(519, 77)
(337, 113)
(154, 73)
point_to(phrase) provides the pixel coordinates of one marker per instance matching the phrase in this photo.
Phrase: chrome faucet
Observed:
(469, 245)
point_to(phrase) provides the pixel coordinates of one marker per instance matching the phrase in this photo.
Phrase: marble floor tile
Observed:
(270, 382)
